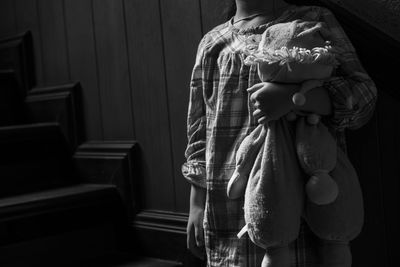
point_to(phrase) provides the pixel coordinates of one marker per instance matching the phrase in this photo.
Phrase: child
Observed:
(221, 115)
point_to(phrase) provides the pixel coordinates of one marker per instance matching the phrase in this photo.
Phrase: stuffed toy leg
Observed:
(340, 221)
(245, 158)
(316, 150)
(274, 195)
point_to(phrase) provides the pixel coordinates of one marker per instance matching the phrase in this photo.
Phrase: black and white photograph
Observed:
(199, 133)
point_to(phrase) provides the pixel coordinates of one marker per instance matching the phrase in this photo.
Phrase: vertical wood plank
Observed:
(150, 102)
(28, 20)
(114, 84)
(83, 62)
(212, 14)
(7, 18)
(389, 132)
(364, 152)
(182, 33)
(54, 43)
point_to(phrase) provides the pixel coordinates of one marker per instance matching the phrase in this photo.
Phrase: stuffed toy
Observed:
(292, 167)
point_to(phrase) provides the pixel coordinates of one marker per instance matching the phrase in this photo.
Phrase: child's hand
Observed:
(195, 231)
(272, 100)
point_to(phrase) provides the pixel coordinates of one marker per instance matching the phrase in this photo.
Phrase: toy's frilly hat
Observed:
(290, 44)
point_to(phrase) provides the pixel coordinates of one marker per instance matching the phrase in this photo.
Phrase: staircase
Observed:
(51, 212)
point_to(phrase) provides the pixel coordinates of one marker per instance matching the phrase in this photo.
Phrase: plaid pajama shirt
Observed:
(220, 116)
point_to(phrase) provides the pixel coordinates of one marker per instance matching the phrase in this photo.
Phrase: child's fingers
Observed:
(263, 120)
(191, 244)
(189, 234)
(258, 113)
(260, 116)
(254, 88)
(199, 235)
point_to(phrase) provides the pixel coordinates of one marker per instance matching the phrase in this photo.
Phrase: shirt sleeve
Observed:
(194, 169)
(352, 92)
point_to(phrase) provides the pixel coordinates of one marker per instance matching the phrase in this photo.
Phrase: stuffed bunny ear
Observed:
(326, 33)
(308, 34)
(312, 29)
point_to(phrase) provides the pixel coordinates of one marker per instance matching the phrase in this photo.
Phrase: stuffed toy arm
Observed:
(299, 99)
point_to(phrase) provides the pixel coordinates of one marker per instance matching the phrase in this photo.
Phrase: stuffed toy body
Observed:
(281, 162)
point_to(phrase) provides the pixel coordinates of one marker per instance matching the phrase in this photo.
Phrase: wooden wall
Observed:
(134, 59)
(383, 14)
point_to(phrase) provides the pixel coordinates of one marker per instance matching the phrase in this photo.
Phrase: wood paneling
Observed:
(8, 21)
(112, 58)
(363, 149)
(383, 14)
(182, 32)
(28, 20)
(374, 150)
(54, 41)
(83, 62)
(149, 100)
(211, 14)
(389, 145)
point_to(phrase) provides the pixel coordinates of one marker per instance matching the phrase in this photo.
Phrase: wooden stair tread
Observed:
(16, 131)
(12, 110)
(61, 262)
(34, 157)
(54, 198)
(124, 260)
(64, 192)
(150, 262)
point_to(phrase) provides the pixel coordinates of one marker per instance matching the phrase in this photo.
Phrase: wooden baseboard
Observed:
(162, 221)
(162, 234)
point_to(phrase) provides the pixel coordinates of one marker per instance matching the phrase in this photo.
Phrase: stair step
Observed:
(146, 262)
(11, 100)
(50, 212)
(29, 131)
(62, 261)
(33, 157)
(18, 142)
(61, 249)
(60, 103)
(81, 194)
(16, 52)
(125, 260)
